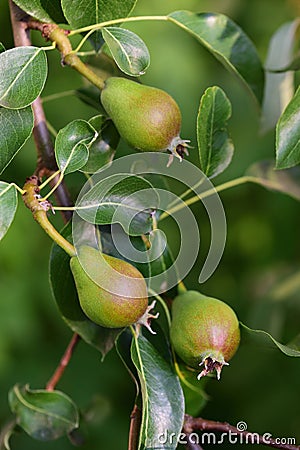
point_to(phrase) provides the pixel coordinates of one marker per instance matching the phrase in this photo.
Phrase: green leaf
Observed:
(228, 43)
(163, 401)
(35, 9)
(65, 295)
(286, 181)
(266, 338)
(81, 13)
(72, 145)
(102, 149)
(128, 50)
(44, 415)
(15, 128)
(24, 72)
(163, 270)
(2, 48)
(288, 135)
(122, 198)
(215, 146)
(8, 206)
(279, 87)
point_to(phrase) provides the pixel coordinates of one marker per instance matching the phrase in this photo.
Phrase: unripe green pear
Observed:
(125, 304)
(148, 118)
(204, 331)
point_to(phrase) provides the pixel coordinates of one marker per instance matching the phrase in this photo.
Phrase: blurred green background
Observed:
(261, 387)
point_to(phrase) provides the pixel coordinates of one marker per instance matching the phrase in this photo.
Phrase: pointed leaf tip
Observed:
(264, 337)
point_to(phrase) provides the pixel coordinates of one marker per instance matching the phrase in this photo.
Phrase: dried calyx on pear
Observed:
(147, 118)
(204, 332)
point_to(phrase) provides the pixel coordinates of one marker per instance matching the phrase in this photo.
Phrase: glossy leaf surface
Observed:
(15, 128)
(126, 199)
(72, 145)
(214, 143)
(128, 50)
(23, 75)
(163, 402)
(288, 135)
(228, 43)
(44, 415)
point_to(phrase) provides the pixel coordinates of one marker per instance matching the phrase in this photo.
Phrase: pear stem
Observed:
(181, 287)
(70, 58)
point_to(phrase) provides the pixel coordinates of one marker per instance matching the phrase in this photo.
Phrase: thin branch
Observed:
(205, 194)
(39, 209)
(135, 424)
(63, 363)
(19, 27)
(46, 163)
(46, 160)
(42, 138)
(192, 424)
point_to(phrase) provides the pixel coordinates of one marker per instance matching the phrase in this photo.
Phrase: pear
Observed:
(204, 331)
(125, 304)
(148, 118)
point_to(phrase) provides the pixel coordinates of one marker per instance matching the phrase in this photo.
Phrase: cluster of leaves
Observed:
(89, 145)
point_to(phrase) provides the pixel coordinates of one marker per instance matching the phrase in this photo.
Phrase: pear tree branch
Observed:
(63, 363)
(46, 166)
(46, 163)
(135, 423)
